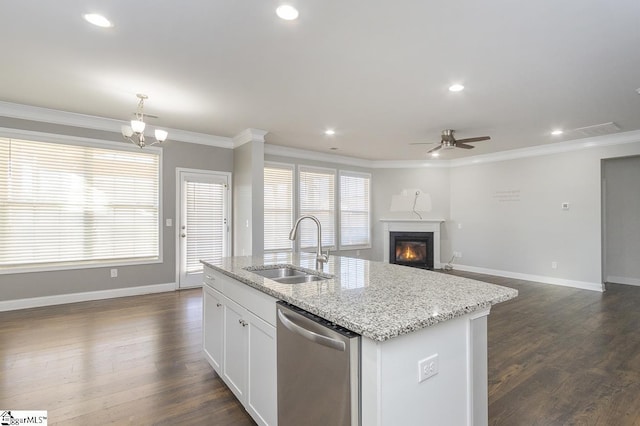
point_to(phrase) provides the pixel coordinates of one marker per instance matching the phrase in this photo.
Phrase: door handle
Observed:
(183, 235)
(310, 335)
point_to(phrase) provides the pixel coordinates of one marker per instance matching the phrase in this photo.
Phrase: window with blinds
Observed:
(205, 227)
(64, 204)
(278, 207)
(317, 198)
(355, 217)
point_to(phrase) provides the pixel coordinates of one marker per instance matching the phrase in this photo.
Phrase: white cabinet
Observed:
(234, 370)
(239, 341)
(212, 322)
(262, 398)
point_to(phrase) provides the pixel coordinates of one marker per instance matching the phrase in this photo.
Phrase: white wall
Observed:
(505, 217)
(389, 182)
(512, 221)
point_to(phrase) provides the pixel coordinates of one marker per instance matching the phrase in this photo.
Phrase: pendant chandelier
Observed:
(134, 133)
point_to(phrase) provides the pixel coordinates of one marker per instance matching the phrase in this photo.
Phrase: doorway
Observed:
(621, 220)
(202, 220)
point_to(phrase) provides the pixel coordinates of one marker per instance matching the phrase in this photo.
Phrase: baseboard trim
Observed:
(528, 277)
(623, 280)
(61, 299)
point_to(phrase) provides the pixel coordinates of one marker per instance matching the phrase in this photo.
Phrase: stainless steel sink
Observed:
(288, 275)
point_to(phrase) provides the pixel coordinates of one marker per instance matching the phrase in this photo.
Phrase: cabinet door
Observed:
(262, 386)
(235, 348)
(212, 326)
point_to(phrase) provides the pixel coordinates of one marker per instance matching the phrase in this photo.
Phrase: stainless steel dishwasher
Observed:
(318, 370)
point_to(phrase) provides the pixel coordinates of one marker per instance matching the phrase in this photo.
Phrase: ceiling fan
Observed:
(448, 141)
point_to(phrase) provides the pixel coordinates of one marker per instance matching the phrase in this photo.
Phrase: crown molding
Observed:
(46, 115)
(533, 151)
(65, 118)
(249, 135)
(549, 149)
(286, 151)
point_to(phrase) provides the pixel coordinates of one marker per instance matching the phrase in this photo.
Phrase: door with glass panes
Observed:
(203, 222)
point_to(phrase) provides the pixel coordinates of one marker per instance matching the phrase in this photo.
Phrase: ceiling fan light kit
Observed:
(448, 141)
(134, 132)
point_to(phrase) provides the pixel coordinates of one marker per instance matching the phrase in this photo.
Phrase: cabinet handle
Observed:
(242, 322)
(218, 304)
(209, 277)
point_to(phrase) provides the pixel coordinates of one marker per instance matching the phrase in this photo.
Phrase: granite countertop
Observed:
(375, 299)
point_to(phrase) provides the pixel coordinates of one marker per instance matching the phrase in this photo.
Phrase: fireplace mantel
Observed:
(413, 225)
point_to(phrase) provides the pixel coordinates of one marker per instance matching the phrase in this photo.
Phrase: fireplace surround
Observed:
(409, 226)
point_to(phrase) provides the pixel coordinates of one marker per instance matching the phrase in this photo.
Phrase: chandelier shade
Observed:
(134, 132)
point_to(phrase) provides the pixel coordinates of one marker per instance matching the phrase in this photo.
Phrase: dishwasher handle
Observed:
(310, 335)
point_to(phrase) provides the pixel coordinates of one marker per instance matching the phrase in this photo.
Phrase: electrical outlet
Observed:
(459, 226)
(169, 222)
(554, 265)
(427, 367)
(565, 206)
(114, 273)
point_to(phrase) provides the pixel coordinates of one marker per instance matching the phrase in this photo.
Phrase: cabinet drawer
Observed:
(213, 278)
(260, 304)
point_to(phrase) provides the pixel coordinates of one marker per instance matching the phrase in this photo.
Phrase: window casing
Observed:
(355, 210)
(278, 206)
(64, 205)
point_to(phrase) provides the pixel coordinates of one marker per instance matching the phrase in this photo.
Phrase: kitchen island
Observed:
(405, 315)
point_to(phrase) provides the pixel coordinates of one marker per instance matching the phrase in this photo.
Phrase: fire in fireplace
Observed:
(411, 249)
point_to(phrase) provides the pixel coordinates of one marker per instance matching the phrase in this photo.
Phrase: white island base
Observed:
(456, 395)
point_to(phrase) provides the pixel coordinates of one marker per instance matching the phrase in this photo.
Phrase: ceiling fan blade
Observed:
(434, 149)
(464, 145)
(477, 139)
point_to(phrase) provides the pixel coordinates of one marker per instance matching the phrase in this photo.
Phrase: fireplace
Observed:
(411, 249)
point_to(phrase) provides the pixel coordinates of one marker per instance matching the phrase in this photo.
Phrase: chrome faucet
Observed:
(321, 258)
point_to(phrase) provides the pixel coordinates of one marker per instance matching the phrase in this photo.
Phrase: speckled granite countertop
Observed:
(374, 299)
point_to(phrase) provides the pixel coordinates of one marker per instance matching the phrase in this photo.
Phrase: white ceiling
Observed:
(376, 71)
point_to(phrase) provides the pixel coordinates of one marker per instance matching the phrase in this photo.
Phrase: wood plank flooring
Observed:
(557, 356)
(564, 356)
(134, 360)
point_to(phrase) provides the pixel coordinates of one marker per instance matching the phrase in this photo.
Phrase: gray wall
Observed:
(175, 154)
(621, 210)
(389, 182)
(248, 199)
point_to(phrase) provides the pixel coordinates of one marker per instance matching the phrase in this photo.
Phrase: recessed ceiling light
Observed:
(435, 154)
(329, 132)
(333, 148)
(557, 132)
(287, 12)
(456, 88)
(98, 20)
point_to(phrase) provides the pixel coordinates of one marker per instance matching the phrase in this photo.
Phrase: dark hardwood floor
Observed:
(564, 356)
(134, 360)
(557, 356)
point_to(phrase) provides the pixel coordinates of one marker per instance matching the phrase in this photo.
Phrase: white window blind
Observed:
(278, 207)
(63, 204)
(204, 222)
(355, 217)
(317, 198)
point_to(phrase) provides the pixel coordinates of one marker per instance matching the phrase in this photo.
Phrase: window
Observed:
(355, 218)
(278, 206)
(317, 198)
(64, 205)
